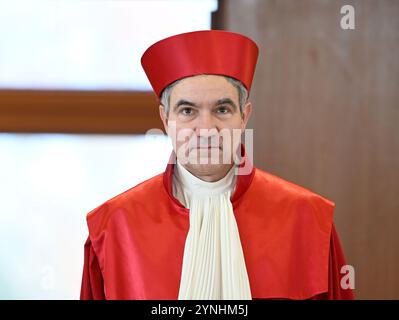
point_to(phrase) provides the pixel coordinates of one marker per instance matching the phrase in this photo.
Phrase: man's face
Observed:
(205, 123)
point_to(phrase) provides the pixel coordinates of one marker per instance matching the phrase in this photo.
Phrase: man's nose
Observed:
(205, 122)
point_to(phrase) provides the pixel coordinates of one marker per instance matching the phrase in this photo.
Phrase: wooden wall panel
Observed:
(78, 111)
(326, 116)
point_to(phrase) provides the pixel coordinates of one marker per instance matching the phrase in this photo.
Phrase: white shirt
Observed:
(213, 261)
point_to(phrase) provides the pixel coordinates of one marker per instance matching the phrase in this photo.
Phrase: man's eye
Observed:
(223, 110)
(186, 111)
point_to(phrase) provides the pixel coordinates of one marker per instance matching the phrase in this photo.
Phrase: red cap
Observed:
(200, 52)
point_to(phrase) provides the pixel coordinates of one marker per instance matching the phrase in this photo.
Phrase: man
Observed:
(211, 226)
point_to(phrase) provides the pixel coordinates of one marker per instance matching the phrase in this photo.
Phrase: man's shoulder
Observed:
(133, 195)
(291, 204)
(271, 183)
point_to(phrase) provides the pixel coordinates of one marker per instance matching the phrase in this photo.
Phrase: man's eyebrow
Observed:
(227, 101)
(217, 103)
(184, 102)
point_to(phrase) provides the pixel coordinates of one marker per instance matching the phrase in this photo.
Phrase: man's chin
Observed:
(206, 169)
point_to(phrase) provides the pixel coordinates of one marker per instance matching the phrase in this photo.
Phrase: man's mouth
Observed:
(210, 147)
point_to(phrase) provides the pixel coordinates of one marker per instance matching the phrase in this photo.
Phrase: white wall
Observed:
(48, 183)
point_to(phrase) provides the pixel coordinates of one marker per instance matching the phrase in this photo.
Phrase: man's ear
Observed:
(164, 117)
(246, 114)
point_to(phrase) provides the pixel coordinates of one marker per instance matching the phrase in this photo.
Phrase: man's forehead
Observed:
(204, 87)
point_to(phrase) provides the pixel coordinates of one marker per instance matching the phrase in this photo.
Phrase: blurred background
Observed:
(75, 106)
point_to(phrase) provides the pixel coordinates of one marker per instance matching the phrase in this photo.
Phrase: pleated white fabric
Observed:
(213, 262)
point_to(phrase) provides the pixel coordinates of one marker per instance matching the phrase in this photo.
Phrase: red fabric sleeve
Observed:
(92, 281)
(336, 261)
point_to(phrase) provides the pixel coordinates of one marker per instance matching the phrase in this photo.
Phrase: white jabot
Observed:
(213, 261)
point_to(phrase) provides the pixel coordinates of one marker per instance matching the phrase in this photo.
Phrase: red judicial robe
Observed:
(290, 245)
